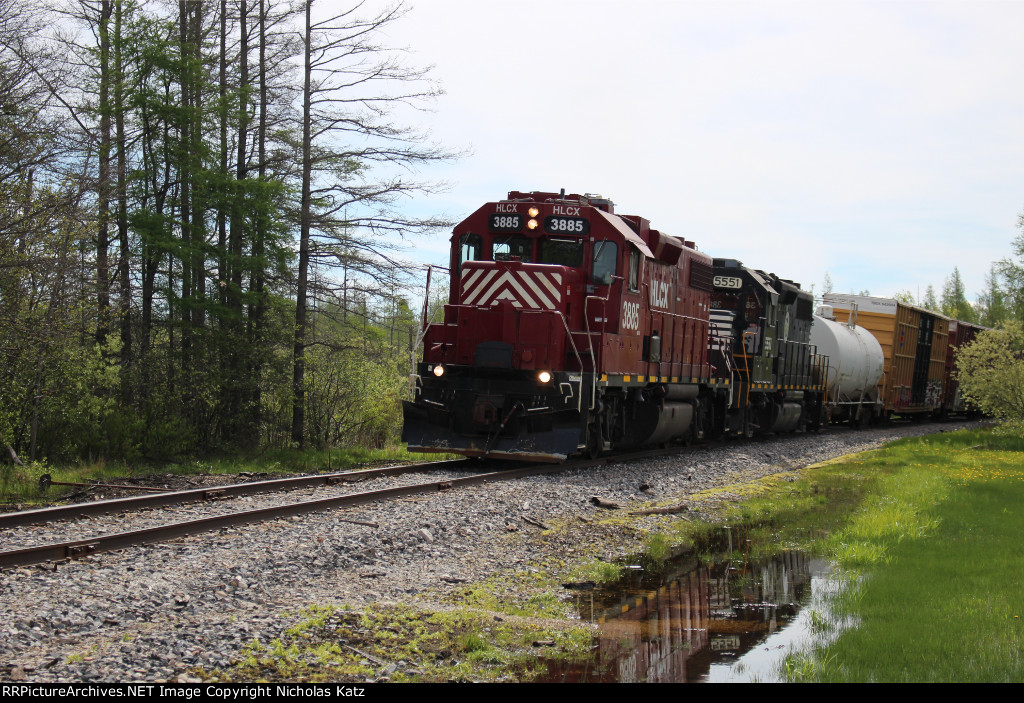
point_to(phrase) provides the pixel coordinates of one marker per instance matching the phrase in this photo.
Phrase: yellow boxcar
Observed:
(914, 342)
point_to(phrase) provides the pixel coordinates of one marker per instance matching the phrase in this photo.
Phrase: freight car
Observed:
(856, 362)
(960, 334)
(571, 329)
(914, 343)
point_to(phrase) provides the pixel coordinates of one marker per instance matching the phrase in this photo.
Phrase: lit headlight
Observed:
(533, 212)
(531, 224)
(544, 377)
(439, 371)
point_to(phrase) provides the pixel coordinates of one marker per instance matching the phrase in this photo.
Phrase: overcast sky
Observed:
(878, 141)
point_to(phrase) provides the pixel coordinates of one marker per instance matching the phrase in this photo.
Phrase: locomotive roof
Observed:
(627, 233)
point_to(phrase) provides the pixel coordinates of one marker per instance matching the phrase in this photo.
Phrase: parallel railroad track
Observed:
(165, 498)
(74, 549)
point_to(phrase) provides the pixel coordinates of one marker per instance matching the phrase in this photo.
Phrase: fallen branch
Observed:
(667, 510)
(535, 523)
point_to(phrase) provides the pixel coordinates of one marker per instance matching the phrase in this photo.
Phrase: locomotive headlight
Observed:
(439, 370)
(544, 377)
(531, 224)
(533, 212)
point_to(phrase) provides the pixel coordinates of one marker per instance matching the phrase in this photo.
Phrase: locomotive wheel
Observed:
(594, 441)
(748, 428)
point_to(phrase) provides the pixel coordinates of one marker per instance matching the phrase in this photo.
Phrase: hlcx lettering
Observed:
(659, 294)
(630, 315)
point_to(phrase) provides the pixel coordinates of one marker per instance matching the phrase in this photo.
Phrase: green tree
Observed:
(1012, 270)
(929, 302)
(991, 371)
(954, 299)
(905, 297)
(992, 304)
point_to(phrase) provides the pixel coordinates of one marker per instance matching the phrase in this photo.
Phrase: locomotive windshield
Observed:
(505, 248)
(563, 252)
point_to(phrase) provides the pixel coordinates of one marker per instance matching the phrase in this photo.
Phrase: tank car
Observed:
(571, 329)
(914, 344)
(854, 369)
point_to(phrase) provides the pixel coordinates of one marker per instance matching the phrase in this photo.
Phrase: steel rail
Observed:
(103, 507)
(105, 543)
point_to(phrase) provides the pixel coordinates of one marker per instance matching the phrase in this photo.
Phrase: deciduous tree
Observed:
(991, 371)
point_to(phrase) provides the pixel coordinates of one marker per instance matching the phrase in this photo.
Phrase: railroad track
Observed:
(78, 548)
(165, 498)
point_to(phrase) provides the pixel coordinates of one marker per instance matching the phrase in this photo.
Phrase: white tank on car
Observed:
(855, 362)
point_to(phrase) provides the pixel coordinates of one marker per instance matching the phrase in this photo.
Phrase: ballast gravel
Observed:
(160, 612)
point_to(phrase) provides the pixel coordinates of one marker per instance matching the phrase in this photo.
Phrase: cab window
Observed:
(605, 256)
(564, 252)
(505, 248)
(471, 248)
(634, 270)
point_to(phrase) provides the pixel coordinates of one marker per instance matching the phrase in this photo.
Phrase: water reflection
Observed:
(732, 619)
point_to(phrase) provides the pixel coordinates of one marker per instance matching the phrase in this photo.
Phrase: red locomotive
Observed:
(571, 329)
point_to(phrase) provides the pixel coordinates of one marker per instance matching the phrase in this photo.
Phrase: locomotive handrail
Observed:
(590, 340)
(572, 342)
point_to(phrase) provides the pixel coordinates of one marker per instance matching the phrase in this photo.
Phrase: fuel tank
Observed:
(855, 358)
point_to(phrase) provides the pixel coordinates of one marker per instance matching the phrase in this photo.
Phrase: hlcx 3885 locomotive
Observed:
(572, 329)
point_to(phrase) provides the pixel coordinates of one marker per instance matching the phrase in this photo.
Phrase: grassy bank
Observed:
(933, 561)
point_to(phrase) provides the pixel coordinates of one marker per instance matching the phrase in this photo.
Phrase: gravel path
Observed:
(153, 613)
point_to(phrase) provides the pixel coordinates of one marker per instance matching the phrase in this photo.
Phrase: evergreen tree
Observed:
(992, 308)
(954, 299)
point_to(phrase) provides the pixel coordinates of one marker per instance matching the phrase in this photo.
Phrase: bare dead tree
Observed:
(357, 163)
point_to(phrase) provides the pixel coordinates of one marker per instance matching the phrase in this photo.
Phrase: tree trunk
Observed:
(103, 183)
(299, 353)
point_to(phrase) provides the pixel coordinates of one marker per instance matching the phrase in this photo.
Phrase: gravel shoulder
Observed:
(155, 613)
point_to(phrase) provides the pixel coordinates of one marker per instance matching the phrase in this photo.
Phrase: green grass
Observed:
(404, 644)
(934, 558)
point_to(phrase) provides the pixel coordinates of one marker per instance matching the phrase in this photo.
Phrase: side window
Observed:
(470, 249)
(605, 256)
(634, 270)
(506, 247)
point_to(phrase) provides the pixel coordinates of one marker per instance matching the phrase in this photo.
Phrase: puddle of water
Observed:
(730, 619)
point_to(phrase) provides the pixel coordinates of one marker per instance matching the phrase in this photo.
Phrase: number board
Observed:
(566, 225)
(506, 223)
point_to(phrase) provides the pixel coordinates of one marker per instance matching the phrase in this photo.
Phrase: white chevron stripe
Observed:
(477, 284)
(507, 295)
(524, 296)
(532, 289)
(556, 292)
(537, 291)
